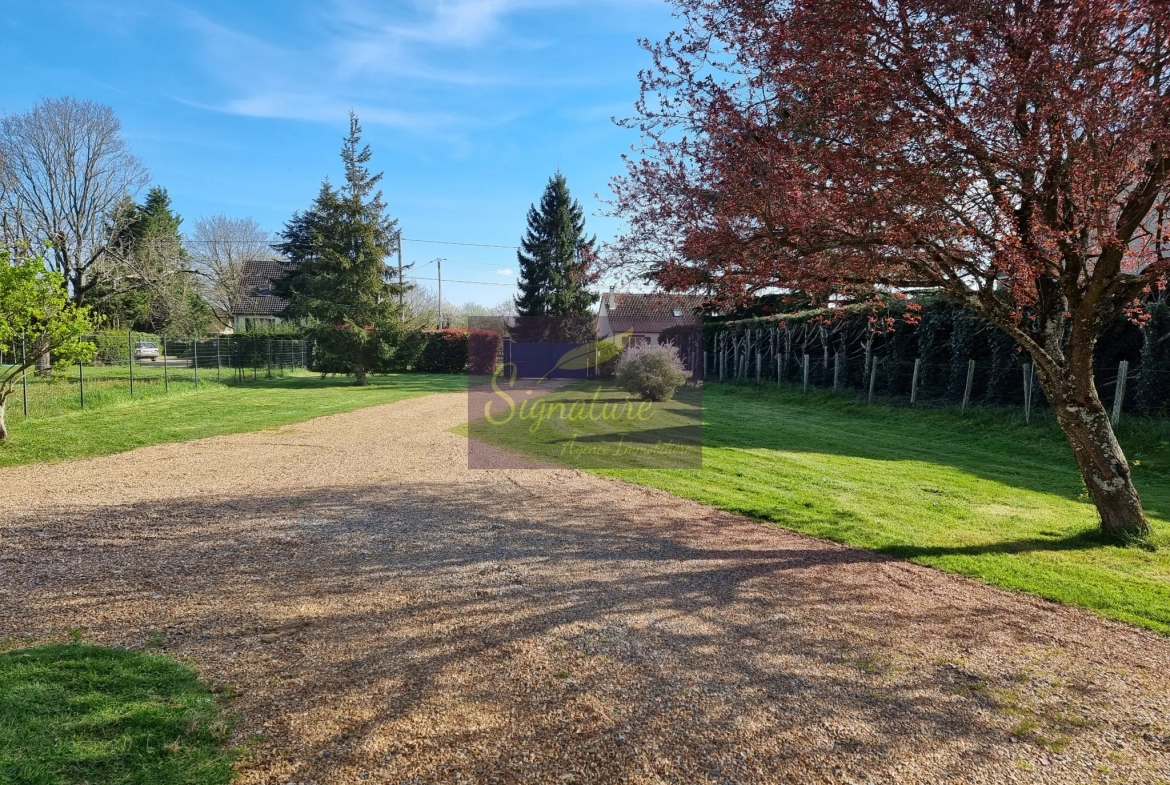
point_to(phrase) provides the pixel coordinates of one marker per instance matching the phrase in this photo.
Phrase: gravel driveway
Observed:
(377, 612)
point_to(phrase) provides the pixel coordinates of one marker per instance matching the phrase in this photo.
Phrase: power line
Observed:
(452, 242)
(453, 280)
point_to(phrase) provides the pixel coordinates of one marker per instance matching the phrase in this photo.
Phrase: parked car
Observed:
(146, 350)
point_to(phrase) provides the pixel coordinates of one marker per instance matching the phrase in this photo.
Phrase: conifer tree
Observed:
(338, 283)
(555, 264)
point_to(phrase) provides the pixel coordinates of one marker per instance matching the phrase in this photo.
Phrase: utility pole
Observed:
(401, 289)
(439, 262)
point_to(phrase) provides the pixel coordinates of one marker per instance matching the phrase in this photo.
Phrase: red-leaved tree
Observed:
(1011, 154)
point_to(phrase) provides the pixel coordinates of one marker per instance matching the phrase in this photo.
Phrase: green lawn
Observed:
(212, 409)
(979, 494)
(80, 714)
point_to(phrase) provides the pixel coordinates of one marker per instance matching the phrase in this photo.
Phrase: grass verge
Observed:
(980, 494)
(72, 713)
(211, 410)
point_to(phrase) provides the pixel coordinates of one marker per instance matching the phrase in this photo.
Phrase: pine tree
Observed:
(151, 286)
(555, 272)
(337, 282)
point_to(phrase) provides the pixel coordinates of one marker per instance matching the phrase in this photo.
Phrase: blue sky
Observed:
(469, 105)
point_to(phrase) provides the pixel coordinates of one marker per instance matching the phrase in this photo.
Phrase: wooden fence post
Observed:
(914, 382)
(1119, 390)
(970, 383)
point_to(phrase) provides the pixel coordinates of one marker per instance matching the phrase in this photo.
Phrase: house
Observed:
(644, 317)
(255, 303)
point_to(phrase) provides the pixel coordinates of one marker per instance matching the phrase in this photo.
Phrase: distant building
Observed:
(255, 303)
(644, 317)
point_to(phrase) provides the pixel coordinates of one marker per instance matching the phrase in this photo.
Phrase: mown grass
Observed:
(212, 409)
(980, 494)
(71, 713)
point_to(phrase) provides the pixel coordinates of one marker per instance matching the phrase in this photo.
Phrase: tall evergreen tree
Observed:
(150, 286)
(338, 282)
(555, 263)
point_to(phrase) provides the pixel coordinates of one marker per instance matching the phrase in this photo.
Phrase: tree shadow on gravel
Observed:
(414, 633)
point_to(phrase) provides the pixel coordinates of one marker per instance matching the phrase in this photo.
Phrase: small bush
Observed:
(483, 349)
(609, 354)
(651, 371)
(445, 352)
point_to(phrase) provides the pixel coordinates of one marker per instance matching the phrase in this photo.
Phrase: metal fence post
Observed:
(218, 363)
(758, 360)
(779, 371)
(970, 383)
(24, 376)
(1119, 390)
(836, 371)
(914, 382)
(1028, 393)
(81, 380)
(873, 364)
(166, 373)
(806, 361)
(195, 344)
(130, 346)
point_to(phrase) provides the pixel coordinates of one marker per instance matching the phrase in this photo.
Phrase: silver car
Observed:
(146, 350)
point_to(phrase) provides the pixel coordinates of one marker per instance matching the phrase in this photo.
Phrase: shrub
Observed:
(445, 351)
(608, 354)
(651, 371)
(483, 349)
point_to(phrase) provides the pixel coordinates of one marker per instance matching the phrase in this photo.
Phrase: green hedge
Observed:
(444, 351)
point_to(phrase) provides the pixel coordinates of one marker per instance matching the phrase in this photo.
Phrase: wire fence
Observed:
(868, 376)
(132, 365)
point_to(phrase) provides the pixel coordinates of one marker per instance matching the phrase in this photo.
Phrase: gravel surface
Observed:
(374, 611)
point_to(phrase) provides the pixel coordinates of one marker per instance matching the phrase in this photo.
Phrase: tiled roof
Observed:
(255, 297)
(651, 313)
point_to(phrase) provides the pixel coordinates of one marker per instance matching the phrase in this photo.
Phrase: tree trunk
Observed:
(1103, 465)
(360, 378)
(3, 421)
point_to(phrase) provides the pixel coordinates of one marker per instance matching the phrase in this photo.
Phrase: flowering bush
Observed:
(651, 371)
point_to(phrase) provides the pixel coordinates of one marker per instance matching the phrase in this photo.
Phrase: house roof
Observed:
(651, 313)
(254, 297)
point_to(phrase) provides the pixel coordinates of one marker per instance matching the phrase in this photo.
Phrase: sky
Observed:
(469, 106)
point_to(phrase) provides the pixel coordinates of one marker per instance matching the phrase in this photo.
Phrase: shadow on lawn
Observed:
(409, 381)
(1031, 457)
(529, 617)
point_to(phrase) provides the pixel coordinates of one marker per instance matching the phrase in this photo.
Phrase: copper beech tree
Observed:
(1011, 154)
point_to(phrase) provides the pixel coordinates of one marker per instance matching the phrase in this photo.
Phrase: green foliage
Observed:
(37, 317)
(150, 286)
(651, 371)
(338, 285)
(445, 351)
(555, 256)
(74, 713)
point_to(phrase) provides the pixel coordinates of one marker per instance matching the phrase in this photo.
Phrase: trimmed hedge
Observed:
(483, 348)
(444, 351)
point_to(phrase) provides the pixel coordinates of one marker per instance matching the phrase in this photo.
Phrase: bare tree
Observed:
(219, 248)
(65, 168)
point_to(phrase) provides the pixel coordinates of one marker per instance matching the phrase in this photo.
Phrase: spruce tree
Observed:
(555, 268)
(337, 283)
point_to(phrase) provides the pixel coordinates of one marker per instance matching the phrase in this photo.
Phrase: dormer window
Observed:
(678, 312)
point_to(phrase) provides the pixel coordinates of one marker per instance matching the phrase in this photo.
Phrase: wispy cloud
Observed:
(401, 67)
(507, 272)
